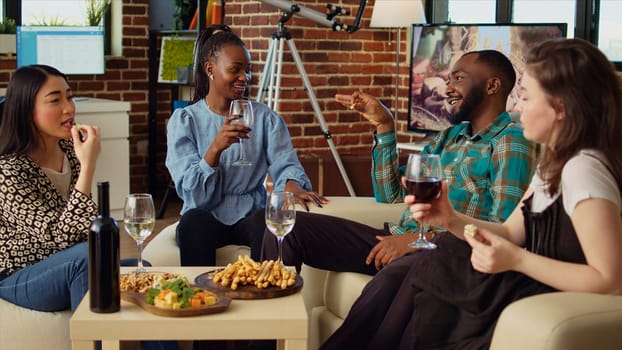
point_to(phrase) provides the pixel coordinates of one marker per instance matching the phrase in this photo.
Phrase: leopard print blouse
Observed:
(35, 220)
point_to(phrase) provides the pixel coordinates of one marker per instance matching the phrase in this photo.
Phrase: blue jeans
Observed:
(53, 284)
(57, 283)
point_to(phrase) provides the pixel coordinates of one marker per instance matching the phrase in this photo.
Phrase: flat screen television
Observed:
(71, 49)
(436, 47)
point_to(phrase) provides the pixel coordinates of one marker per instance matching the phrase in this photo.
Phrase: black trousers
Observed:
(367, 320)
(326, 242)
(199, 234)
(431, 299)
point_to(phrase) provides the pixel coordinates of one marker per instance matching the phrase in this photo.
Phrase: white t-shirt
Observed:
(583, 176)
(61, 180)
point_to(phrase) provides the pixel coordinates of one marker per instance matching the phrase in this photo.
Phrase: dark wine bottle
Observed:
(104, 257)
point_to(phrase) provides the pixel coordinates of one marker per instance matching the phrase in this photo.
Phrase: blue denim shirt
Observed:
(229, 192)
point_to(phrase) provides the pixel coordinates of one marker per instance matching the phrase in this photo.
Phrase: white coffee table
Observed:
(284, 319)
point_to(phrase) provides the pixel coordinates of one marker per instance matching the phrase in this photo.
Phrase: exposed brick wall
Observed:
(336, 62)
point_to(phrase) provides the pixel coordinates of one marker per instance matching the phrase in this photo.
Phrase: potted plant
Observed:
(95, 10)
(7, 36)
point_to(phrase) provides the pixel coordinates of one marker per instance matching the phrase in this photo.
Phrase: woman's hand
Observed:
(372, 109)
(230, 134)
(492, 253)
(86, 144)
(227, 135)
(439, 212)
(302, 196)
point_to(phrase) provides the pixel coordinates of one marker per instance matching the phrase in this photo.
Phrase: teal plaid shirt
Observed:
(487, 173)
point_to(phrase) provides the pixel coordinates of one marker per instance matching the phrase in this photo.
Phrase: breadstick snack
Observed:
(246, 271)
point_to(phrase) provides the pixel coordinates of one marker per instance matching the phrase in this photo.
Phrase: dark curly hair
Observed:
(499, 64)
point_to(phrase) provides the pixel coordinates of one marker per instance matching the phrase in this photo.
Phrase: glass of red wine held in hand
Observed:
(241, 112)
(423, 180)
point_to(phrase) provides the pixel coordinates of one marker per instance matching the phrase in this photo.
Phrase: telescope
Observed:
(326, 19)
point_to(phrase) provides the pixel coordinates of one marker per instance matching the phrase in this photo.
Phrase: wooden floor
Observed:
(128, 245)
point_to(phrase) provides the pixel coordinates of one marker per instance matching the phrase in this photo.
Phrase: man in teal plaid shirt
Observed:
(486, 162)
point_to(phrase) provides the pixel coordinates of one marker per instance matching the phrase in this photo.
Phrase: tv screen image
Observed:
(435, 48)
(70, 49)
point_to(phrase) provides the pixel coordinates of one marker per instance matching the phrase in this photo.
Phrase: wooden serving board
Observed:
(222, 303)
(205, 280)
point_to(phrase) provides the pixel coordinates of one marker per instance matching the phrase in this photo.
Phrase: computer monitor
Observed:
(70, 49)
(435, 47)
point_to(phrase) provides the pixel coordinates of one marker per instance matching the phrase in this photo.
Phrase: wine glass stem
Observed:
(421, 231)
(242, 153)
(140, 267)
(280, 244)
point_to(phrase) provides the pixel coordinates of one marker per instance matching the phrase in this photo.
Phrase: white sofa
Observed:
(25, 329)
(552, 321)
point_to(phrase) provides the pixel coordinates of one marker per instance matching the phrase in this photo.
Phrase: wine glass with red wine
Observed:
(423, 180)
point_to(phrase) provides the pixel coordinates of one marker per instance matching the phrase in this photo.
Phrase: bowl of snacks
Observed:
(176, 297)
(249, 279)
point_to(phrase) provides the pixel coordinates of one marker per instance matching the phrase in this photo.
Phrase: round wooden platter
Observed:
(222, 303)
(205, 280)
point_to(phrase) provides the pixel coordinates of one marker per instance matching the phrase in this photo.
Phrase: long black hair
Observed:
(208, 45)
(18, 133)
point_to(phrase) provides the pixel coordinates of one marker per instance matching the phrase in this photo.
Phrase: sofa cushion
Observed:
(342, 289)
(162, 250)
(561, 320)
(322, 324)
(313, 290)
(361, 209)
(26, 329)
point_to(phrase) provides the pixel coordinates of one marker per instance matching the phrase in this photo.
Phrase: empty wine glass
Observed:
(241, 112)
(423, 180)
(139, 221)
(280, 216)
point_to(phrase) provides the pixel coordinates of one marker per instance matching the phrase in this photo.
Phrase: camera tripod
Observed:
(271, 83)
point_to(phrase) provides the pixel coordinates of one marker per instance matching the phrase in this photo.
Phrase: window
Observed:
(60, 12)
(72, 12)
(609, 29)
(71, 49)
(545, 11)
(475, 11)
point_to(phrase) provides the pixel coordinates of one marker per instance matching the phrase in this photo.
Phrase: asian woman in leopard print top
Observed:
(46, 172)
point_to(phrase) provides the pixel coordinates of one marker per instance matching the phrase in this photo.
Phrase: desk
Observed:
(284, 319)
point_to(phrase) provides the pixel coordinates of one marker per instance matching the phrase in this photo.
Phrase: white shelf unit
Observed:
(113, 164)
